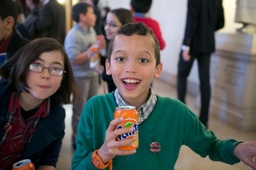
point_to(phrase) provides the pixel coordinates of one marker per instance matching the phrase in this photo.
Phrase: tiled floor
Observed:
(187, 160)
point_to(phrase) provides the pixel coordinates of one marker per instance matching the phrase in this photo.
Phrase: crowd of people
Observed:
(42, 68)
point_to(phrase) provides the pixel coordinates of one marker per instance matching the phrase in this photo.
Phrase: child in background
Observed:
(114, 20)
(10, 40)
(78, 45)
(38, 80)
(165, 124)
(139, 9)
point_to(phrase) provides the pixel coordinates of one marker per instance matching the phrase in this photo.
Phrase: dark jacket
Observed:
(45, 145)
(30, 22)
(98, 22)
(204, 17)
(16, 43)
(52, 21)
(20, 28)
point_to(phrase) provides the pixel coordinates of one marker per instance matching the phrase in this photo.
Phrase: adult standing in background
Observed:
(52, 21)
(203, 19)
(104, 13)
(98, 23)
(246, 14)
(19, 26)
(33, 6)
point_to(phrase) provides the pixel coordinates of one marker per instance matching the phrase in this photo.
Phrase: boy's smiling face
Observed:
(133, 67)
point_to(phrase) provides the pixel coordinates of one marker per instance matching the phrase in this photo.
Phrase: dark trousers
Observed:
(184, 68)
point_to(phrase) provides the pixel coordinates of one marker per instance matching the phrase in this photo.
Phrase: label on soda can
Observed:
(130, 116)
(24, 164)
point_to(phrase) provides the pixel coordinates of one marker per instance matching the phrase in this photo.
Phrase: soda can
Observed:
(24, 164)
(130, 116)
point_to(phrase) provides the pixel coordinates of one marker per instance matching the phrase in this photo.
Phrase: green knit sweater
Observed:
(171, 124)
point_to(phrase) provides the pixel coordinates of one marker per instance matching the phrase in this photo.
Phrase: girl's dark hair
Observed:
(107, 9)
(79, 8)
(124, 15)
(15, 69)
(139, 29)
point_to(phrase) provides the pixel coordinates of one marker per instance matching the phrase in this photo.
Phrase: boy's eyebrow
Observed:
(141, 51)
(147, 53)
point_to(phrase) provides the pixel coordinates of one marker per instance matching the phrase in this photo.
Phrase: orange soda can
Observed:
(94, 48)
(93, 52)
(130, 116)
(24, 164)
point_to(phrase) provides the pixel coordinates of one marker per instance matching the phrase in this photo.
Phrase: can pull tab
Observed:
(21, 164)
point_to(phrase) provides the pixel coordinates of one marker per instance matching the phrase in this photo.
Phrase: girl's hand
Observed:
(110, 147)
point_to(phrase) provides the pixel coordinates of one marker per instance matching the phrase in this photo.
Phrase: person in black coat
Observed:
(98, 23)
(52, 21)
(19, 26)
(32, 17)
(203, 19)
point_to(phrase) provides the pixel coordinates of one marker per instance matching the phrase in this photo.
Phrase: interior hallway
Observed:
(187, 160)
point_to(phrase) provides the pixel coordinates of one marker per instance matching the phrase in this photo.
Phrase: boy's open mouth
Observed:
(131, 81)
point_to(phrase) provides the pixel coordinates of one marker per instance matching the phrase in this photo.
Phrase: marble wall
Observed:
(233, 80)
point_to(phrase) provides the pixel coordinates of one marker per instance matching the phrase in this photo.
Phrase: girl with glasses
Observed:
(38, 79)
(115, 19)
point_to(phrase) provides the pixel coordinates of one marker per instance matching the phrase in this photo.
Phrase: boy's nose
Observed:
(131, 68)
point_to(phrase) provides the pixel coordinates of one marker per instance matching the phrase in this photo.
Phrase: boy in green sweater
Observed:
(165, 124)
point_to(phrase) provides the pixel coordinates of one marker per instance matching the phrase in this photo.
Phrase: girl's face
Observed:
(43, 85)
(112, 25)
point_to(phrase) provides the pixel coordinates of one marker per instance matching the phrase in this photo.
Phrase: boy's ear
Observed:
(158, 70)
(81, 15)
(107, 65)
(9, 22)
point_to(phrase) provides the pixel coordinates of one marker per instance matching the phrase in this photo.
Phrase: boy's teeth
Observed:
(131, 81)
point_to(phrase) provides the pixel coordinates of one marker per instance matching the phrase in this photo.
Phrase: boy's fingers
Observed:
(251, 164)
(114, 123)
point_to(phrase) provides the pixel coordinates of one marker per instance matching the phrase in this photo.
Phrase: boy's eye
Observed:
(143, 60)
(120, 59)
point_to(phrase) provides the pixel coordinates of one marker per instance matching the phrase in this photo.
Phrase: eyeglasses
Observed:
(52, 70)
(111, 25)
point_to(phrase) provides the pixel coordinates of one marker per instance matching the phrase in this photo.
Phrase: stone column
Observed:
(233, 80)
